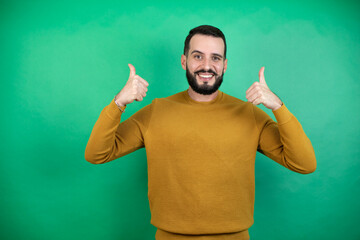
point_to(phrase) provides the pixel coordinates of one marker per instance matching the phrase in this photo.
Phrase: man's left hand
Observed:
(259, 92)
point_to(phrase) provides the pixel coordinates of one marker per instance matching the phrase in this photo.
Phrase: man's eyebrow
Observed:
(218, 55)
(196, 51)
(215, 54)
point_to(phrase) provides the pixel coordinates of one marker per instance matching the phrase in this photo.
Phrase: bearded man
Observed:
(201, 144)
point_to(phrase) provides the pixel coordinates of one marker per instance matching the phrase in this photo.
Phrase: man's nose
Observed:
(207, 64)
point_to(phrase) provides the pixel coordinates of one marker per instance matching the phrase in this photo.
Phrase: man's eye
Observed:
(197, 57)
(216, 58)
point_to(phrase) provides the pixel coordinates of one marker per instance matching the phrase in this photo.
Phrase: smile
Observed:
(207, 76)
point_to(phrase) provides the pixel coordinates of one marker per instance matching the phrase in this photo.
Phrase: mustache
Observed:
(206, 71)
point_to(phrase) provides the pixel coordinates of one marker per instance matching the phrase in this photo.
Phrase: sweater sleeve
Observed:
(285, 141)
(111, 139)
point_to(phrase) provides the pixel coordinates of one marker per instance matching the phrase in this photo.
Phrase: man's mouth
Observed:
(205, 76)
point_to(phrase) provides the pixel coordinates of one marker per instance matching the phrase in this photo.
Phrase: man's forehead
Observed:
(207, 44)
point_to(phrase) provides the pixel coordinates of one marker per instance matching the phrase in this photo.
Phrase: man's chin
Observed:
(205, 84)
(205, 90)
(199, 86)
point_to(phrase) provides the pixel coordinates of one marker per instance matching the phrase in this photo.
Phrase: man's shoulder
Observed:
(177, 97)
(231, 99)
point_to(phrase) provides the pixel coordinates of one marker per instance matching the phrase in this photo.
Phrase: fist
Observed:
(259, 93)
(134, 89)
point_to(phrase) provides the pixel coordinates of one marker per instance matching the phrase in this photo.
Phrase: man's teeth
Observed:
(205, 76)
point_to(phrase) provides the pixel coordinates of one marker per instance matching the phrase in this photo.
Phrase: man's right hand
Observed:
(134, 89)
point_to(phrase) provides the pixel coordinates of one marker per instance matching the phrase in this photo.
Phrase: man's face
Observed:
(205, 63)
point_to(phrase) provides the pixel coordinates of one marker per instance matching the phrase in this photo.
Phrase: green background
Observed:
(62, 62)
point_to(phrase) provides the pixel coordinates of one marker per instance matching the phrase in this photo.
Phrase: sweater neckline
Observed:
(192, 101)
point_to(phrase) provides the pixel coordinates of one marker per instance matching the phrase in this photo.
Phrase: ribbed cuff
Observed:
(282, 114)
(113, 110)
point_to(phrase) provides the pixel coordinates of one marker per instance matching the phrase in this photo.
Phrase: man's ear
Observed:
(183, 61)
(225, 65)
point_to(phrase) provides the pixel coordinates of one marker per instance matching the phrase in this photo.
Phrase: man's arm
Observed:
(285, 141)
(109, 139)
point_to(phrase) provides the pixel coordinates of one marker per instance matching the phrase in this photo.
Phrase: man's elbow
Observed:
(303, 167)
(310, 168)
(93, 158)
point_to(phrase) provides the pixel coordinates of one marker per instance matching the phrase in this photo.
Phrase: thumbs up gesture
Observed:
(259, 93)
(134, 89)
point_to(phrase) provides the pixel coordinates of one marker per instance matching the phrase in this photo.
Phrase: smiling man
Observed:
(205, 64)
(201, 144)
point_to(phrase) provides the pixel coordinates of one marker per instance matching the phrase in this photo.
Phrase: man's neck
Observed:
(200, 97)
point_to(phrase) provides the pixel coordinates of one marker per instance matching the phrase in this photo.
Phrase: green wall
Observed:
(62, 62)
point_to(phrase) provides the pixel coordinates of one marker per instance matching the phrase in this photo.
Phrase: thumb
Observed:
(261, 75)
(132, 70)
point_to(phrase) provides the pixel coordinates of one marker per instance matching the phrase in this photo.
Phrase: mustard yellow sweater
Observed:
(201, 158)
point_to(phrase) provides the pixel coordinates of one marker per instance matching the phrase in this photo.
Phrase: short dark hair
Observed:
(204, 30)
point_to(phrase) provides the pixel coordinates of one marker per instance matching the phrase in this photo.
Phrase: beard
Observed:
(204, 89)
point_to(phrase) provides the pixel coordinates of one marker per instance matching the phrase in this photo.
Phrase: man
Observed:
(201, 144)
